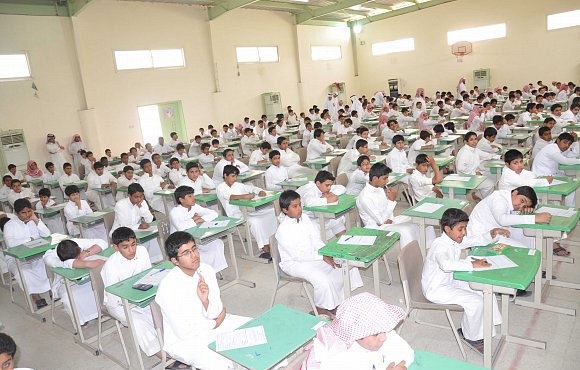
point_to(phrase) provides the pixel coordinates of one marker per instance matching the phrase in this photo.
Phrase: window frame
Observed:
(23, 78)
(258, 52)
(152, 67)
(393, 42)
(474, 30)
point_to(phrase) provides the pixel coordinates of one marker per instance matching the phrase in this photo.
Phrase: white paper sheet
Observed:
(497, 262)
(35, 243)
(213, 224)
(357, 239)
(556, 182)
(457, 178)
(241, 338)
(428, 207)
(298, 179)
(153, 277)
(557, 211)
(57, 238)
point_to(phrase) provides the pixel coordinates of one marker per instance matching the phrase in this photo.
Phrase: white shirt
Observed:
(14, 196)
(289, 158)
(374, 207)
(95, 181)
(504, 131)
(175, 175)
(298, 241)
(39, 206)
(414, 149)
(316, 148)
(273, 140)
(150, 184)
(205, 159)
(510, 179)
(66, 180)
(194, 149)
(306, 137)
(224, 192)
(488, 147)
(162, 149)
(180, 156)
(345, 165)
(47, 176)
(257, 156)
(397, 160)
(203, 181)
(71, 211)
(469, 160)
(275, 175)
(4, 191)
(121, 166)
(312, 196)
(17, 232)
(248, 139)
(539, 145)
(218, 172)
(547, 160)
(129, 215)
(181, 218)
(568, 116)
(422, 185)
(356, 182)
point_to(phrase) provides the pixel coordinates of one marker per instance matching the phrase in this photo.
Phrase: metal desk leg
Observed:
(422, 234)
(131, 325)
(237, 280)
(250, 256)
(487, 324)
(78, 327)
(322, 227)
(346, 278)
(376, 277)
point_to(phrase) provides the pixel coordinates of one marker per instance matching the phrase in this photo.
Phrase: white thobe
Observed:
(17, 232)
(73, 150)
(180, 156)
(510, 179)
(275, 175)
(194, 149)
(298, 245)
(188, 326)
(262, 223)
(443, 258)
(316, 148)
(14, 196)
(469, 161)
(246, 148)
(95, 182)
(356, 182)
(539, 145)
(4, 191)
(414, 149)
(56, 154)
(203, 181)
(84, 298)
(71, 211)
(51, 176)
(257, 156)
(312, 196)
(175, 175)
(218, 171)
(547, 160)
(212, 253)
(124, 182)
(151, 184)
(273, 140)
(397, 160)
(66, 180)
(346, 162)
(458, 112)
(54, 223)
(162, 149)
(375, 208)
(291, 160)
(488, 147)
(118, 268)
(422, 185)
(306, 138)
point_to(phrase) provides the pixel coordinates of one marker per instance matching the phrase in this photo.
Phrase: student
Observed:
(70, 254)
(14, 173)
(298, 243)
(152, 183)
(248, 138)
(422, 185)
(458, 110)
(443, 258)
(188, 214)
(97, 180)
(126, 178)
(124, 162)
(76, 207)
(345, 165)
(262, 222)
(193, 312)
(206, 157)
(175, 140)
(360, 176)
(180, 152)
(476, 119)
(228, 159)
(307, 134)
(276, 173)
(544, 139)
(50, 174)
(318, 146)
(397, 158)
(497, 210)
(361, 133)
(133, 155)
(158, 167)
(291, 160)
(6, 186)
(260, 155)
(226, 133)
(54, 223)
(500, 125)
(487, 142)
(514, 175)
(548, 159)
(391, 130)
(194, 147)
(531, 113)
(469, 161)
(216, 145)
(272, 136)
(510, 104)
(88, 160)
(8, 353)
(200, 182)
(161, 147)
(424, 142)
(27, 226)
(68, 177)
(361, 336)
(176, 173)
(376, 208)
(18, 192)
(129, 259)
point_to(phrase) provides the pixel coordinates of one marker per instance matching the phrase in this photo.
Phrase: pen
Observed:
(347, 239)
(157, 272)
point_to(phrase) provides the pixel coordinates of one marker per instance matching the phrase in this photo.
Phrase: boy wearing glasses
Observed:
(193, 312)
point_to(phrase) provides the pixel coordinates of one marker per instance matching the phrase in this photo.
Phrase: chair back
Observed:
(275, 253)
(164, 230)
(333, 165)
(302, 152)
(244, 160)
(157, 322)
(98, 286)
(109, 220)
(342, 179)
(410, 269)
(344, 141)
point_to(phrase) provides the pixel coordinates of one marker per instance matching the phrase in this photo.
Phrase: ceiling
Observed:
(338, 13)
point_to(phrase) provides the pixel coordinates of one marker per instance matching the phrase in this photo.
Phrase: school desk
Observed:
(295, 143)
(263, 166)
(548, 233)
(114, 162)
(79, 276)
(334, 141)
(124, 190)
(252, 205)
(252, 175)
(453, 140)
(496, 167)
(101, 192)
(204, 236)
(451, 187)
(167, 195)
(296, 182)
(505, 282)
(145, 235)
(55, 190)
(346, 203)
(290, 132)
(374, 159)
(90, 219)
(571, 170)
(336, 153)
(523, 150)
(437, 149)
(431, 218)
(560, 191)
(517, 138)
(287, 330)
(523, 129)
(183, 162)
(443, 161)
(207, 200)
(35, 184)
(57, 209)
(431, 361)
(362, 256)
(318, 163)
(133, 297)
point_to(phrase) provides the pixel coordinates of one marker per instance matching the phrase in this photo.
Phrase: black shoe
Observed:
(523, 293)
(266, 256)
(544, 275)
(41, 303)
(476, 345)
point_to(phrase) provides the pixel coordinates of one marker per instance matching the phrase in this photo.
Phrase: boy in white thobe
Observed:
(129, 259)
(547, 160)
(345, 165)
(70, 254)
(544, 138)
(228, 159)
(76, 207)
(443, 258)
(187, 215)
(176, 173)
(99, 179)
(152, 183)
(159, 168)
(276, 173)
(54, 222)
(397, 158)
(20, 230)
(200, 182)
(423, 142)
(514, 175)
(376, 208)
(18, 192)
(487, 143)
(260, 155)
(469, 160)
(360, 176)
(127, 178)
(298, 244)
(68, 177)
(422, 185)
(291, 160)
(193, 312)
(317, 146)
(262, 223)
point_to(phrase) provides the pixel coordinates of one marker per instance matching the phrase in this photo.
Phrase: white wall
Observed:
(528, 53)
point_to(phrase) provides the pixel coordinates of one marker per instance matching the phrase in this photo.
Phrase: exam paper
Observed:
(241, 338)
(213, 224)
(556, 182)
(428, 207)
(35, 243)
(557, 211)
(57, 238)
(298, 179)
(456, 178)
(357, 239)
(497, 262)
(153, 277)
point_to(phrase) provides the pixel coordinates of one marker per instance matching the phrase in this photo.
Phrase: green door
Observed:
(171, 117)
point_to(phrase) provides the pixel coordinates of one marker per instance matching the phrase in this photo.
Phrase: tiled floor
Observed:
(44, 346)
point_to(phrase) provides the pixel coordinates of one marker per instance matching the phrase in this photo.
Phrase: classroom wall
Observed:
(528, 53)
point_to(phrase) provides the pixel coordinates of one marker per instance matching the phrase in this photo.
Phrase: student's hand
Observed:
(480, 263)
(94, 263)
(431, 161)
(330, 261)
(249, 196)
(550, 179)
(499, 231)
(388, 222)
(409, 171)
(543, 218)
(34, 218)
(202, 290)
(197, 219)
(262, 193)
(331, 198)
(205, 191)
(399, 366)
(328, 150)
(437, 192)
(144, 225)
(220, 318)
(478, 173)
(392, 194)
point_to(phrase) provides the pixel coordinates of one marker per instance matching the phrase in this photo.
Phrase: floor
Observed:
(45, 346)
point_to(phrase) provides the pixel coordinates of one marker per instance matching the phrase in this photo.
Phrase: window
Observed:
(326, 52)
(563, 20)
(494, 31)
(14, 66)
(253, 54)
(143, 59)
(396, 46)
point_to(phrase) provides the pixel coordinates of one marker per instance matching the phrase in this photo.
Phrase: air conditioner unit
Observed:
(272, 104)
(481, 78)
(395, 87)
(13, 149)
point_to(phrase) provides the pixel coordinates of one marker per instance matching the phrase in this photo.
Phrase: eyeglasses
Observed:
(188, 252)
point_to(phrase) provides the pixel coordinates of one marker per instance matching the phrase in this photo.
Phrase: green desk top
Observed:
(494, 163)
(286, 331)
(394, 177)
(255, 143)
(50, 210)
(565, 167)
(165, 192)
(206, 197)
(124, 289)
(345, 202)
(78, 274)
(103, 190)
(447, 203)
(262, 165)
(319, 162)
(410, 131)
(51, 184)
(35, 181)
(336, 153)
(247, 176)
(149, 234)
(557, 223)
(22, 251)
(432, 361)
(436, 149)
(449, 138)
(122, 189)
(257, 201)
(522, 150)
(561, 189)
(95, 216)
(444, 161)
(200, 234)
(297, 184)
(473, 182)
(188, 160)
(114, 162)
(363, 253)
(515, 277)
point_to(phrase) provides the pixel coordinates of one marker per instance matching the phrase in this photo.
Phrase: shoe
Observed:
(523, 293)
(266, 256)
(544, 275)
(476, 345)
(41, 303)
(178, 365)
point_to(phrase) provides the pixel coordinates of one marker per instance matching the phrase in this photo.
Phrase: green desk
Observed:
(134, 297)
(346, 203)
(361, 255)
(114, 162)
(287, 330)
(295, 142)
(522, 150)
(431, 218)
(453, 140)
(395, 177)
(336, 153)
(206, 199)
(335, 142)
(523, 129)
(431, 361)
(93, 218)
(461, 187)
(145, 235)
(318, 163)
(560, 191)
(250, 205)
(496, 167)
(504, 282)
(254, 144)
(376, 159)
(443, 161)
(571, 170)
(55, 190)
(252, 175)
(517, 139)
(183, 162)
(437, 149)
(262, 166)
(123, 190)
(168, 199)
(547, 233)
(57, 209)
(204, 236)
(101, 192)
(294, 183)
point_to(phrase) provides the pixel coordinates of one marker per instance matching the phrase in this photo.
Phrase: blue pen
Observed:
(157, 272)
(347, 239)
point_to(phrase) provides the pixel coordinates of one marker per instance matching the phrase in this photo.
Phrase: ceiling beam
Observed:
(394, 13)
(225, 6)
(75, 6)
(34, 9)
(326, 23)
(319, 12)
(281, 6)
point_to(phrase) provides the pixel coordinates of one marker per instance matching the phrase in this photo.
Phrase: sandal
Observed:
(476, 345)
(561, 252)
(176, 365)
